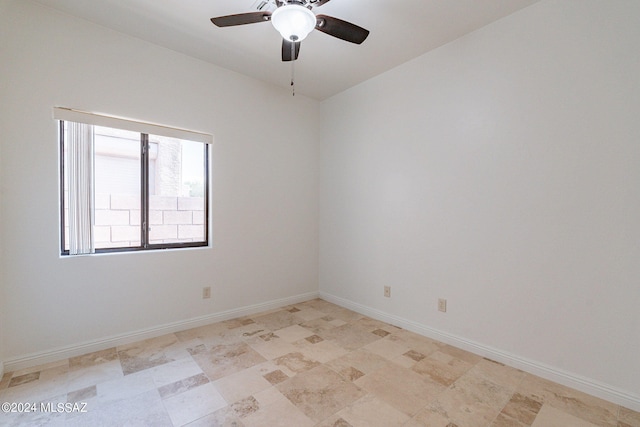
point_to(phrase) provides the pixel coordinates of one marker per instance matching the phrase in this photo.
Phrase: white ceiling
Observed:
(400, 30)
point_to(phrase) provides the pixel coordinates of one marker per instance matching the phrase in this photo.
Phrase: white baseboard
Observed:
(60, 353)
(586, 385)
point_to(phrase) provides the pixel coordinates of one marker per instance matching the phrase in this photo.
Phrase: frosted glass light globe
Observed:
(293, 22)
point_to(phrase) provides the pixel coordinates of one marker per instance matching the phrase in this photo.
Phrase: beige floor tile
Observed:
(92, 375)
(589, 408)
(245, 407)
(522, 408)
(429, 417)
(319, 392)
(44, 367)
(57, 373)
(224, 417)
(349, 336)
(442, 368)
(92, 359)
(309, 313)
(124, 388)
(17, 380)
(402, 388)
(250, 331)
(194, 404)
(149, 353)
(629, 417)
(249, 328)
(386, 348)
(319, 326)
(51, 382)
(82, 395)
(404, 361)
(418, 343)
(271, 346)
(173, 389)
(148, 379)
(278, 320)
(343, 314)
(504, 420)
(362, 360)
(322, 351)
(223, 360)
(372, 324)
(482, 389)
(269, 396)
(458, 353)
(463, 410)
(294, 363)
(501, 374)
(293, 333)
(245, 383)
(335, 322)
(29, 419)
(571, 401)
(171, 372)
(473, 400)
(369, 411)
(4, 382)
(145, 409)
(334, 421)
(276, 377)
(281, 413)
(318, 304)
(553, 417)
(541, 389)
(239, 322)
(202, 332)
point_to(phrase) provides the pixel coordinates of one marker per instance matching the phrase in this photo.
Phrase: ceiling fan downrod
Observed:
(293, 64)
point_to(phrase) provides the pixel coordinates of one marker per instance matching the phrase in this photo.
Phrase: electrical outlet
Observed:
(206, 292)
(387, 291)
(442, 305)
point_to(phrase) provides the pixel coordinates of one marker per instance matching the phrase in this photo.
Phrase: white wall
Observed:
(265, 183)
(3, 86)
(502, 172)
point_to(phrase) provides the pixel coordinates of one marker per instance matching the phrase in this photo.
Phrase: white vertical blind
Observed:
(80, 148)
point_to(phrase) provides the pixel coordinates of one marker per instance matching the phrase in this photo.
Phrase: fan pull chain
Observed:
(293, 61)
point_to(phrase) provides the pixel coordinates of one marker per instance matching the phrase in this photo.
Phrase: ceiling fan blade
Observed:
(241, 19)
(286, 50)
(320, 2)
(341, 29)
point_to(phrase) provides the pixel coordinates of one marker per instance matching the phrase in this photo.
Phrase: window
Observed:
(128, 186)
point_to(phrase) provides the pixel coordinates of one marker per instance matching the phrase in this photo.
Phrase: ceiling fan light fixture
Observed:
(293, 22)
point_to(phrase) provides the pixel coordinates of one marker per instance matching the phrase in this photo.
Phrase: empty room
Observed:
(320, 213)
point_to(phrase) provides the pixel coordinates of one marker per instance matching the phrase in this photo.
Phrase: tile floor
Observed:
(309, 364)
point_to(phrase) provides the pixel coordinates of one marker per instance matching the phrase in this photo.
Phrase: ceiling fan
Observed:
(294, 20)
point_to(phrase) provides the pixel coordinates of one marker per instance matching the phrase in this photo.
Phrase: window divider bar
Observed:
(62, 199)
(144, 190)
(207, 197)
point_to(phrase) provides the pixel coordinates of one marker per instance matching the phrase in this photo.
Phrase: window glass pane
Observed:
(65, 195)
(117, 188)
(176, 190)
(177, 182)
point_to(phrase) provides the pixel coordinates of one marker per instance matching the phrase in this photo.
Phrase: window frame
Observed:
(145, 245)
